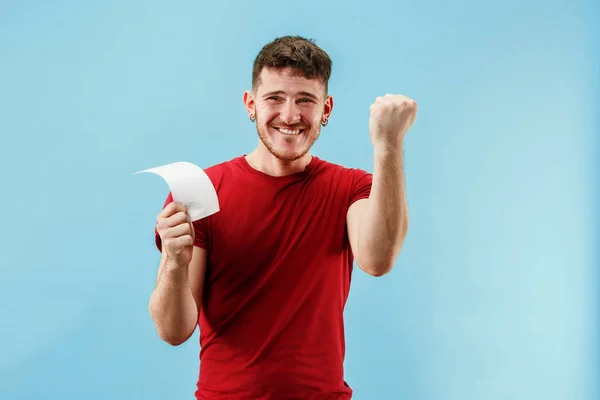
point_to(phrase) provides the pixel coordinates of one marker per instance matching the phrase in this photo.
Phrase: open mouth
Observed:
(290, 132)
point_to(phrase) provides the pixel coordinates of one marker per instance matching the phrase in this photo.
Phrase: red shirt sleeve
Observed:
(361, 185)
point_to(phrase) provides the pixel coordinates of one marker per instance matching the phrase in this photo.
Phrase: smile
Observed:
(290, 132)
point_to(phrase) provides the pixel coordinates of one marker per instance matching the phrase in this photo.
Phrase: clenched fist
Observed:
(391, 117)
(177, 234)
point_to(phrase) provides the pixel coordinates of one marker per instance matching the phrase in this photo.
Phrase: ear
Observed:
(327, 108)
(249, 104)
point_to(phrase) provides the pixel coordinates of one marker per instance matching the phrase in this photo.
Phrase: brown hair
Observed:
(299, 53)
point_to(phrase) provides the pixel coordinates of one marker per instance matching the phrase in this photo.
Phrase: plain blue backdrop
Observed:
(495, 295)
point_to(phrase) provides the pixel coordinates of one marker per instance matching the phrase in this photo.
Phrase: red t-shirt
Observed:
(277, 279)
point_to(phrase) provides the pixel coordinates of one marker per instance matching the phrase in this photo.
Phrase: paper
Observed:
(189, 186)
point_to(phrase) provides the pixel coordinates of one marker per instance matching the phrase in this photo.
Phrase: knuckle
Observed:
(184, 241)
(171, 207)
(161, 223)
(168, 243)
(167, 211)
(176, 207)
(176, 219)
(182, 216)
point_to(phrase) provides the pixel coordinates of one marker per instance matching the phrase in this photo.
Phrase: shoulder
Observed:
(217, 172)
(224, 166)
(334, 169)
(354, 182)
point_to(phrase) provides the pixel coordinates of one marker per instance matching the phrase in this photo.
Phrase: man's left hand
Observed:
(392, 116)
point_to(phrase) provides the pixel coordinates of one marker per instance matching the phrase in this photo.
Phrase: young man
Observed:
(267, 277)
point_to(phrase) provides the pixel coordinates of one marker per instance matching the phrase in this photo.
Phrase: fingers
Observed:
(173, 222)
(183, 241)
(381, 100)
(178, 230)
(395, 101)
(388, 98)
(171, 209)
(178, 242)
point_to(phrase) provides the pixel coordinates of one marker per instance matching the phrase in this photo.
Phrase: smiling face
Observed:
(289, 110)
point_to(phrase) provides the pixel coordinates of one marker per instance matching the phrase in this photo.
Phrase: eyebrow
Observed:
(278, 92)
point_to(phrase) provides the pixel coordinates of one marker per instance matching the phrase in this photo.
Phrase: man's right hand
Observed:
(177, 234)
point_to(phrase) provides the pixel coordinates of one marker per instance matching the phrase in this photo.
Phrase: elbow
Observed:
(375, 266)
(381, 270)
(382, 263)
(172, 337)
(173, 340)
(377, 269)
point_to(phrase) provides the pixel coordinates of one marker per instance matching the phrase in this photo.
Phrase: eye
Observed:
(305, 101)
(275, 98)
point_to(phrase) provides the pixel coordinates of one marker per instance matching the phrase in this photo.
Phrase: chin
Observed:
(286, 153)
(287, 147)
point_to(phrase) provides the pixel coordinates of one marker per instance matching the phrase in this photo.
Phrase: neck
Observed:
(262, 160)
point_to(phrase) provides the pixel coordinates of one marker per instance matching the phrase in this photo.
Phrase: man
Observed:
(267, 277)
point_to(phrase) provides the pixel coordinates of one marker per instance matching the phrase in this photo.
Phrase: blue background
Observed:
(495, 295)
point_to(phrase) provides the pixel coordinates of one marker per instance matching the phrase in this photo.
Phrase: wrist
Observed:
(172, 264)
(387, 150)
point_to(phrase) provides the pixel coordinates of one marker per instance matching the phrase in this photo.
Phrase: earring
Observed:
(325, 123)
(252, 118)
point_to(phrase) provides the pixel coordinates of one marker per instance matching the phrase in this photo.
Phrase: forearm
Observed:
(172, 306)
(385, 223)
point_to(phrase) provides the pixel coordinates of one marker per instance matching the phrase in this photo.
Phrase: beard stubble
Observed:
(287, 156)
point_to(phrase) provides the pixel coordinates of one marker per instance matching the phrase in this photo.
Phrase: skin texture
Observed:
(285, 100)
(377, 226)
(176, 299)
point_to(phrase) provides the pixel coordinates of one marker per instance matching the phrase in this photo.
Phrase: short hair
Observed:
(296, 52)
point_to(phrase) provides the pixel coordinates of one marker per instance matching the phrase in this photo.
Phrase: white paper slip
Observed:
(189, 186)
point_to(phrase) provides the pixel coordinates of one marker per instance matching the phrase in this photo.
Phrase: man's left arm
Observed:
(378, 225)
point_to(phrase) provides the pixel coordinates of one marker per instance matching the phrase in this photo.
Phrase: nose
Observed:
(290, 113)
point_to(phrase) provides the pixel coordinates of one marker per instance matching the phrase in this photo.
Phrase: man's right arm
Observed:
(176, 300)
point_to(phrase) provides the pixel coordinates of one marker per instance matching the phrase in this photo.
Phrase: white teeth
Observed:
(288, 132)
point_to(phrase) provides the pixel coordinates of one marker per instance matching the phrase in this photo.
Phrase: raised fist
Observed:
(391, 117)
